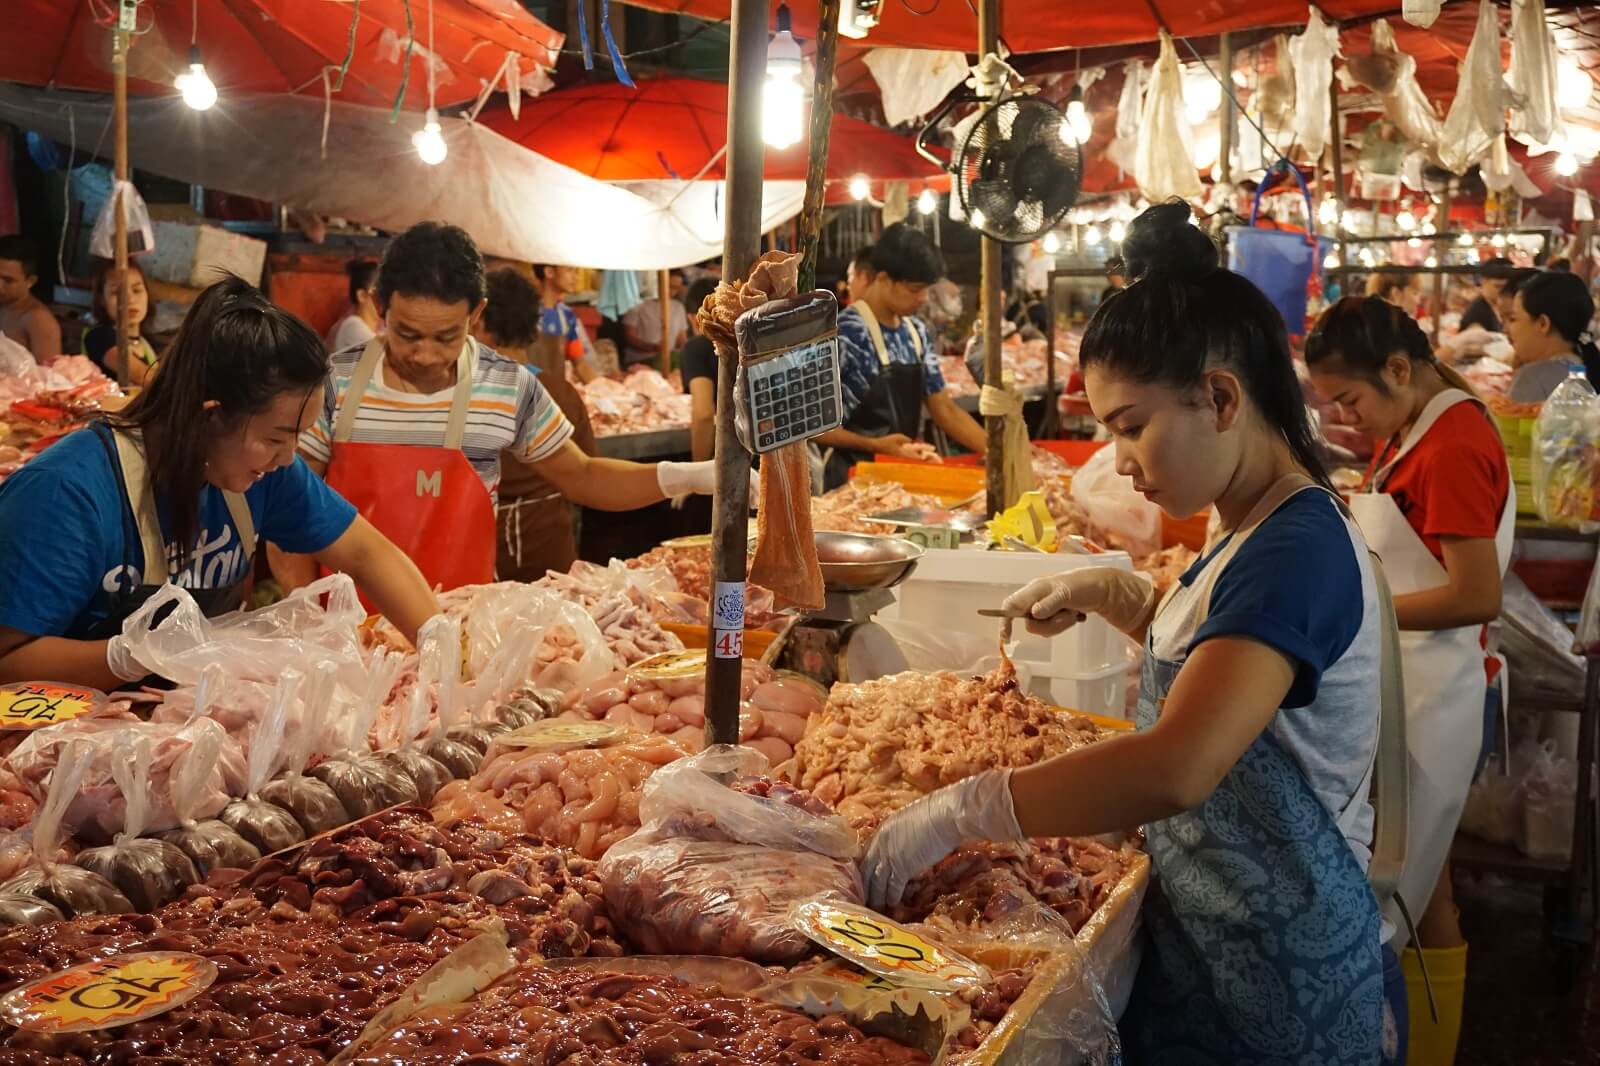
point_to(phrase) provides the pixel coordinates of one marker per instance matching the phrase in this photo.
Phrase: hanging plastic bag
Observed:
(439, 644)
(914, 81)
(266, 825)
(517, 634)
(1535, 118)
(1118, 515)
(1549, 795)
(454, 753)
(1405, 104)
(1124, 147)
(313, 804)
(209, 843)
(141, 234)
(1493, 810)
(149, 871)
(70, 889)
(1421, 13)
(1312, 52)
(364, 784)
(1566, 454)
(1164, 164)
(1477, 115)
(1538, 646)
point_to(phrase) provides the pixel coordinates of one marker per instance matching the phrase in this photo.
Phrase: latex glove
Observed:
(903, 447)
(916, 837)
(1053, 605)
(121, 662)
(680, 480)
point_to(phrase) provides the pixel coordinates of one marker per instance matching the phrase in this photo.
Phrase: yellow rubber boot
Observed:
(1434, 1043)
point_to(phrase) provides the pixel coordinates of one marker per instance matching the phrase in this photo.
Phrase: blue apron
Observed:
(1262, 933)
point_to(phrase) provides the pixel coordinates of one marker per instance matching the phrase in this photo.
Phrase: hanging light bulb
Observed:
(1349, 220)
(1499, 240)
(1465, 240)
(1051, 243)
(1091, 236)
(1077, 127)
(860, 187)
(195, 85)
(1328, 211)
(1415, 242)
(1406, 220)
(1573, 84)
(1566, 164)
(1119, 230)
(783, 98)
(1431, 261)
(1367, 258)
(429, 140)
(927, 202)
(1331, 262)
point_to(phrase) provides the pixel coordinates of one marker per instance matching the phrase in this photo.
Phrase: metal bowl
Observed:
(854, 562)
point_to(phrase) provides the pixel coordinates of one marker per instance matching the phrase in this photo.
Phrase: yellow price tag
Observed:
(1028, 520)
(108, 992)
(35, 704)
(885, 948)
(671, 665)
(563, 735)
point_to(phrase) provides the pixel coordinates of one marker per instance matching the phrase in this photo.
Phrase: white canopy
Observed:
(515, 203)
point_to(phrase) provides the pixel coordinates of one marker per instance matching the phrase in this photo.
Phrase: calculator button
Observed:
(830, 411)
(765, 441)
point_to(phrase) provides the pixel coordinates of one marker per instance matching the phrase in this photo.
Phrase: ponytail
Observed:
(1362, 332)
(234, 348)
(1565, 300)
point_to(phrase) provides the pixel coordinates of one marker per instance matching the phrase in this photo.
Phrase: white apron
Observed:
(1445, 683)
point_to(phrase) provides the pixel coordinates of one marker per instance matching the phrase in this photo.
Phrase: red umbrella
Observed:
(676, 128)
(278, 46)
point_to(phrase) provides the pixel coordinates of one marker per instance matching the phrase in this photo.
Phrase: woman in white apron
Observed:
(1439, 510)
(1258, 704)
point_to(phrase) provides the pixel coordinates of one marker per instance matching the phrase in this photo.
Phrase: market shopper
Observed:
(1550, 331)
(1258, 705)
(697, 364)
(1481, 311)
(23, 318)
(414, 425)
(361, 321)
(179, 488)
(100, 342)
(557, 319)
(641, 326)
(1439, 510)
(538, 531)
(889, 365)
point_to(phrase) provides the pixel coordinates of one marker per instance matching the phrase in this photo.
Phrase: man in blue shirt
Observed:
(558, 319)
(889, 364)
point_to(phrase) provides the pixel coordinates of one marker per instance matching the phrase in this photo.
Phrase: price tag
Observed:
(941, 537)
(108, 992)
(885, 948)
(671, 665)
(554, 736)
(35, 704)
(730, 643)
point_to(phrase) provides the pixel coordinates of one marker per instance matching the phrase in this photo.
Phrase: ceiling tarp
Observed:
(514, 203)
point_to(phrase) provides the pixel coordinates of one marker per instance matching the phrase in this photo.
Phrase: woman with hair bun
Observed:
(1258, 704)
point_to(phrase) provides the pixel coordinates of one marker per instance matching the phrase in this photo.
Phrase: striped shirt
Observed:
(510, 411)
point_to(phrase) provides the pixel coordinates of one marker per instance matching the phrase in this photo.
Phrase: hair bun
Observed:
(1162, 241)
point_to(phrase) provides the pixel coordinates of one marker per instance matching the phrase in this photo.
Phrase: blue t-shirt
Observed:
(67, 541)
(858, 358)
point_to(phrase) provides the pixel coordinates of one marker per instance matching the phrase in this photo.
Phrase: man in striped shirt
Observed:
(431, 288)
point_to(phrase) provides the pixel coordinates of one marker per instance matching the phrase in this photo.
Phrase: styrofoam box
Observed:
(198, 256)
(1084, 669)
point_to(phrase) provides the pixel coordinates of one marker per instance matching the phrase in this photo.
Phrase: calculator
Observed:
(789, 371)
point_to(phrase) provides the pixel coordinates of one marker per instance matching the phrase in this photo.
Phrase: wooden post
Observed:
(809, 231)
(664, 283)
(1442, 226)
(989, 301)
(730, 509)
(1336, 140)
(1230, 116)
(119, 108)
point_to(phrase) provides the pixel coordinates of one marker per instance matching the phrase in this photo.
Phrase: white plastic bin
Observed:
(1084, 670)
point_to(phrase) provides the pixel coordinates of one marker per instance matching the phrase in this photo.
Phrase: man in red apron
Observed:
(416, 421)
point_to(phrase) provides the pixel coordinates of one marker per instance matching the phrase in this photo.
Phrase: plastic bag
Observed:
(313, 804)
(141, 234)
(460, 760)
(1493, 810)
(717, 866)
(1477, 114)
(266, 825)
(17, 909)
(1537, 645)
(1566, 454)
(931, 648)
(1588, 637)
(1121, 516)
(1312, 52)
(520, 634)
(150, 872)
(1124, 147)
(70, 889)
(1164, 166)
(439, 642)
(1549, 795)
(210, 844)
(1535, 119)
(363, 784)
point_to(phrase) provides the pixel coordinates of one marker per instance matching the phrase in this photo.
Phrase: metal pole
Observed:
(119, 107)
(809, 228)
(730, 509)
(1438, 259)
(1337, 143)
(664, 283)
(1230, 116)
(1052, 402)
(989, 301)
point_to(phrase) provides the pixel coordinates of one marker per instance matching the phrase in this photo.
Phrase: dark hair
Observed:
(1181, 315)
(905, 254)
(1560, 265)
(1381, 285)
(862, 259)
(362, 274)
(97, 298)
(435, 260)
(512, 315)
(1362, 332)
(20, 249)
(1496, 267)
(237, 349)
(1565, 300)
(696, 296)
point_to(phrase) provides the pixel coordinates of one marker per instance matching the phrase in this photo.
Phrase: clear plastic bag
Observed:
(1477, 114)
(1164, 164)
(364, 784)
(1535, 118)
(1588, 638)
(266, 825)
(151, 872)
(440, 667)
(70, 889)
(1549, 795)
(313, 804)
(1566, 454)
(1312, 52)
(931, 648)
(1537, 645)
(1405, 104)
(521, 634)
(1117, 513)
(18, 909)
(141, 234)
(1493, 810)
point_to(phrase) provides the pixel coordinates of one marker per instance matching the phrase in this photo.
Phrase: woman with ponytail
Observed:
(1258, 704)
(178, 488)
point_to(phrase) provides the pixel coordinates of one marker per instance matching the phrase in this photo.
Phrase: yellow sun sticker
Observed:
(671, 665)
(558, 736)
(108, 992)
(35, 704)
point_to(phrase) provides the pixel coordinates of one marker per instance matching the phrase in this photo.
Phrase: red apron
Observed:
(429, 501)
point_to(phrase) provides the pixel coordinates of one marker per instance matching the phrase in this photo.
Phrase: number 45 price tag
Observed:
(885, 948)
(35, 704)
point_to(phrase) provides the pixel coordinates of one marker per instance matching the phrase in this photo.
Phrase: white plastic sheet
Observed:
(1421, 12)
(1406, 105)
(1312, 54)
(1535, 118)
(914, 81)
(1163, 160)
(1478, 113)
(1124, 145)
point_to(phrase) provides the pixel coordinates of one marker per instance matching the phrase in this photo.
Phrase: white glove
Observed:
(1053, 605)
(121, 661)
(697, 479)
(918, 836)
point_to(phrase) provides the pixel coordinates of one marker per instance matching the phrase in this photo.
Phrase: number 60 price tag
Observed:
(885, 948)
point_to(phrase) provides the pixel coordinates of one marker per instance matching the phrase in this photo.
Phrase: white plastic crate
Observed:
(1084, 670)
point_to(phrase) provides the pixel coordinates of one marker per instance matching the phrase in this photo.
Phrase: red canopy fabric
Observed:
(673, 127)
(276, 46)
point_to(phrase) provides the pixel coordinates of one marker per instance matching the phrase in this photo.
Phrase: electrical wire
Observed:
(405, 64)
(349, 48)
(698, 30)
